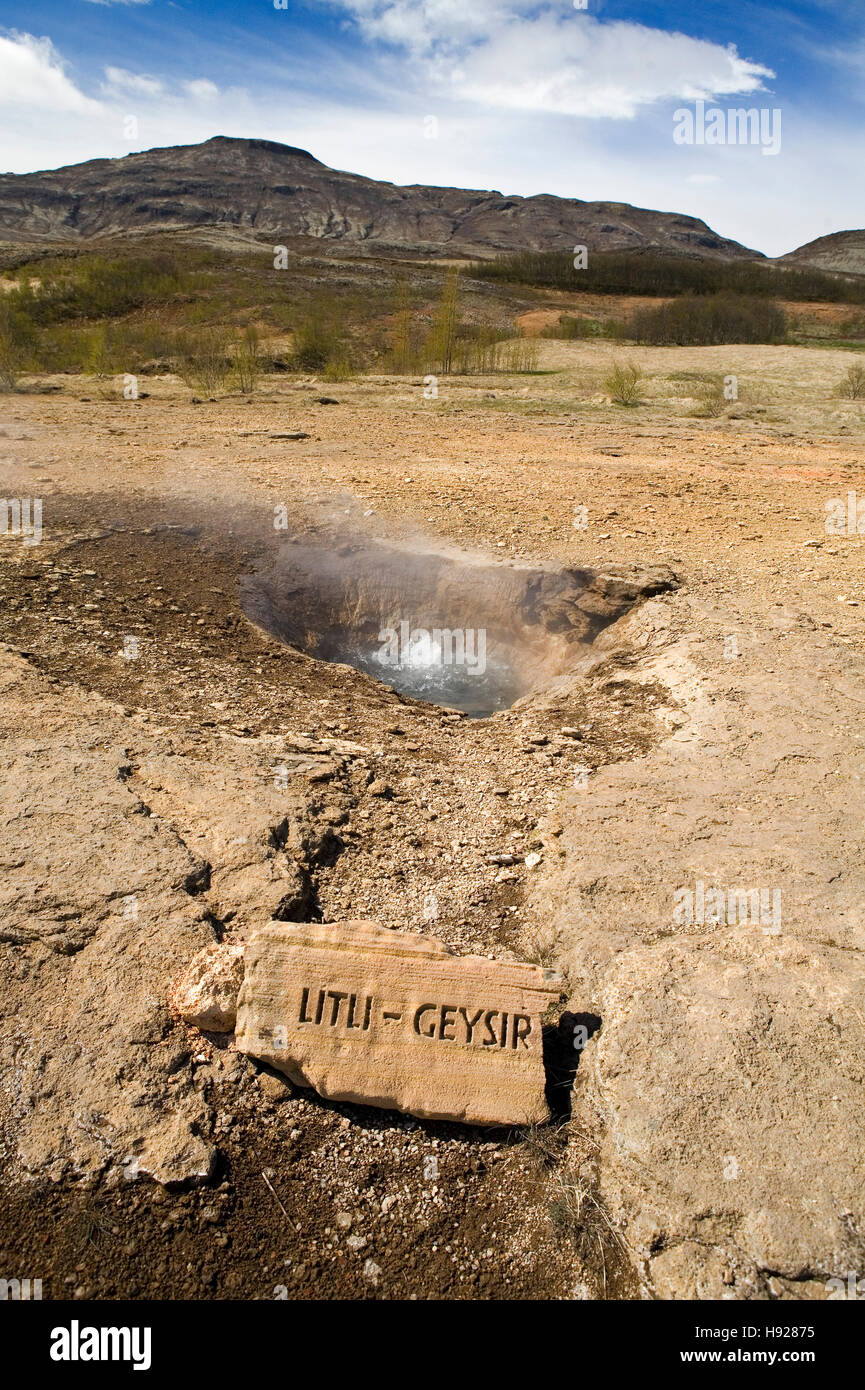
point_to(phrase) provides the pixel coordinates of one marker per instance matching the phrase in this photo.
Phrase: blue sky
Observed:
(525, 96)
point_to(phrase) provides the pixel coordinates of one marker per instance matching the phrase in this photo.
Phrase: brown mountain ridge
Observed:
(264, 189)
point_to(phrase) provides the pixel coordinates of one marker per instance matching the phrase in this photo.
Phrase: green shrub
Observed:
(97, 287)
(520, 355)
(317, 338)
(623, 383)
(578, 326)
(206, 363)
(441, 349)
(247, 361)
(338, 368)
(17, 342)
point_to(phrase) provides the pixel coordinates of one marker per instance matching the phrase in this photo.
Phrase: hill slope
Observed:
(843, 251)
(278, 191)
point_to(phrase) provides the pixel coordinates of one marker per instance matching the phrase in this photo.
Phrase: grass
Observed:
(564, 1158)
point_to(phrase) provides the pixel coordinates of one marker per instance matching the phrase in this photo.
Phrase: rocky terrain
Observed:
(177, 776)
(264, 189)
(843, 251)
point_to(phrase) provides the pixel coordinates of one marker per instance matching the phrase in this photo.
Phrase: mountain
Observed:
(843, 251)
(276, 191)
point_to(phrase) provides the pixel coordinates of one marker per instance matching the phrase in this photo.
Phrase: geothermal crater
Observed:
(451, 629)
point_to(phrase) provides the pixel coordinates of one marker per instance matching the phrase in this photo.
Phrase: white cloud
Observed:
(377, 128)
(200, 89)
(121, 82)
(32, 75)
(517, 57)
(423, 26)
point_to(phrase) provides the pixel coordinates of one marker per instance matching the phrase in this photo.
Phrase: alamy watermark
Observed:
(77, 1343)
(733, 126)
(851, 1286)
(20, 1290)
(845, 517)
(711, 907)
(15, 518)
(418, 648)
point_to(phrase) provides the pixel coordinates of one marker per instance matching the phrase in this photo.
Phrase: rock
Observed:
(94, 907)
(727, 1168)
(393, 1019)
(297, 904)
(275, 1088)
(171, 1153)
(206, 993)
(379, 788)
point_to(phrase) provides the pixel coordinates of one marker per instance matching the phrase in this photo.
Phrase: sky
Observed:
(580, 98)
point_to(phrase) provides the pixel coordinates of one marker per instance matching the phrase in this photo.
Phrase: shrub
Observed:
(696, 320)
(97, 287)
(98, 359)
(16, 343)
(440, 348)
(572, 326)
(623, 383)
(852, 384)
(318, 338)
(10, 364)
(650, 273)
(206, 363)
(403, 353)
(247, 361)
(521, 355)
(338, 368)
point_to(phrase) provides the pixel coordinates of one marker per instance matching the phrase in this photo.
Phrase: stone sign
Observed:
(394, 1019)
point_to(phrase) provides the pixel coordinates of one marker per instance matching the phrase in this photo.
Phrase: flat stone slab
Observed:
(394, 1019)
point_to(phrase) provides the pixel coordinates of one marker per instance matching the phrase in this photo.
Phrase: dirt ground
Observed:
(154, 510)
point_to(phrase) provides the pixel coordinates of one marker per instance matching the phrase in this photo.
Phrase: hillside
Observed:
(841, 251)
(273, 190)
